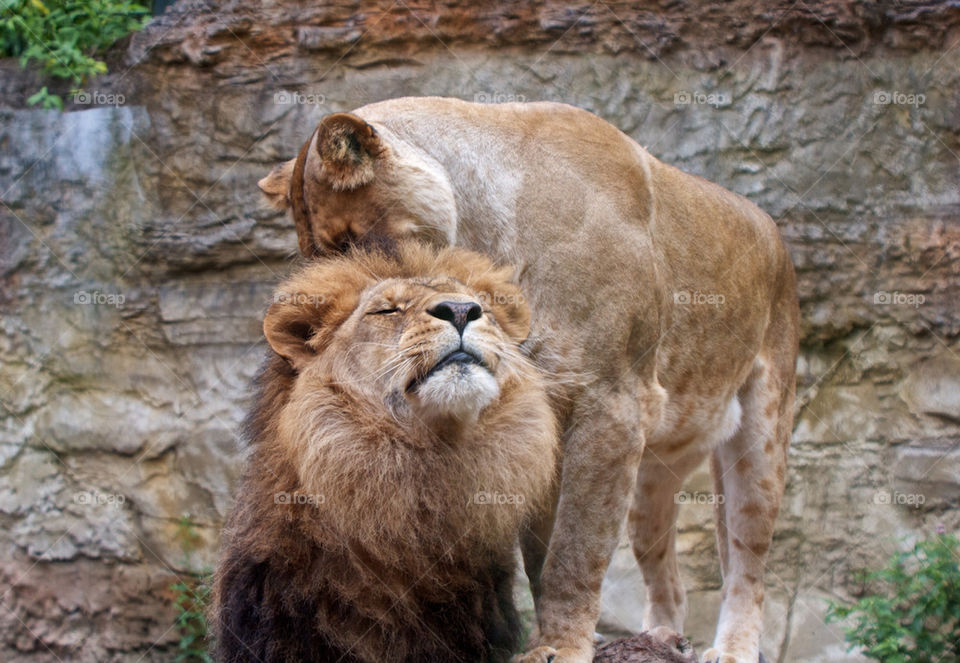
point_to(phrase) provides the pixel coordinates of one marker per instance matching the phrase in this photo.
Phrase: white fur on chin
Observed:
(460, 391)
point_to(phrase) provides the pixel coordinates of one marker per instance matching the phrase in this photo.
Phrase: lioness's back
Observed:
(617, 219)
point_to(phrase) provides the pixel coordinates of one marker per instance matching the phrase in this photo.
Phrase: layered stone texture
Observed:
(137, 258)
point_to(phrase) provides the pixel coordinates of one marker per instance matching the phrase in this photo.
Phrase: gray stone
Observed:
(323, 39)
(933, 387)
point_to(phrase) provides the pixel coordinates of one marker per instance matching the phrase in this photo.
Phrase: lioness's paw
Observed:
(551, 655)
(714, 655)
(538, 655)
(717, 656)
(668, 636)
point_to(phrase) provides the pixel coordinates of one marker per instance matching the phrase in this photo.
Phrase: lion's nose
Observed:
(458, 314)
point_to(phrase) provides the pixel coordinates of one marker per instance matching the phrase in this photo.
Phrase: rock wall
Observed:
(136, 259)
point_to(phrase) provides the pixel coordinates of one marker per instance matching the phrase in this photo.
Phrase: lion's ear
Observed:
(276, 185)
(349, 149)
(291, 330)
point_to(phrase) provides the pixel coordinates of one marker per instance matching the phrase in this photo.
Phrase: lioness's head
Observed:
(428, 334)
(352, 182)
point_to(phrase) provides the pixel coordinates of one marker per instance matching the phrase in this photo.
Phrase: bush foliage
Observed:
(63, 37)
(912, 613)
(191, 597)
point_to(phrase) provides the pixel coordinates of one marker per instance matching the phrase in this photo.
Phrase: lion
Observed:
(672, 299)
(400, 438)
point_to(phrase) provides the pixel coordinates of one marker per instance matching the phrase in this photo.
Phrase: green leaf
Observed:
(46, 100)
(63, 38)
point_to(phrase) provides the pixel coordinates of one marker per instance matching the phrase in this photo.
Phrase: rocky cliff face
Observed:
(136, 260)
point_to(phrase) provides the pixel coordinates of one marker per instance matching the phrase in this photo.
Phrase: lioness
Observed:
(399, 440)
(677, 296)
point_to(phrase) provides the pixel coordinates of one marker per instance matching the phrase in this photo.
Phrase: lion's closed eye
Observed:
(386, 311)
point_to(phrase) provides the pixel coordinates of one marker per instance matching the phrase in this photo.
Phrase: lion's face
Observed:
(431, 346)
(428, 342)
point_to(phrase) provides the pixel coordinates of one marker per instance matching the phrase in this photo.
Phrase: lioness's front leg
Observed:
(600, 461)
(534, 541)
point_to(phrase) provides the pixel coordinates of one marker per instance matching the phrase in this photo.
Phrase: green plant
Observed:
(191, 595)
(912, 612)
(64, 36)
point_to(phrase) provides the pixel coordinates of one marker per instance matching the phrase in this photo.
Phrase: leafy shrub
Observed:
(190, 598)
(63, 36)
(913, 616)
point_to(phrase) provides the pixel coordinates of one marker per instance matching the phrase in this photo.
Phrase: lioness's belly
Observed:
(693, 427)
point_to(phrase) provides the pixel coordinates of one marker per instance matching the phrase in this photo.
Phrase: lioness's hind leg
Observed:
(749, 472)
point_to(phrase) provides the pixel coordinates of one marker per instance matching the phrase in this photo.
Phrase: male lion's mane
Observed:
(332, 582)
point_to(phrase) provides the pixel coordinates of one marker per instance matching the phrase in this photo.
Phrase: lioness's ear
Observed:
(349, 149)
(291, 327)
(276, 185)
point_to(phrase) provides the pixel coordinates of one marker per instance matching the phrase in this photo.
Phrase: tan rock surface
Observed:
(136, 259)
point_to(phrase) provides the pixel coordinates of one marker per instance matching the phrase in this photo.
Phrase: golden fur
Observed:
(677, 296)
(393, 534)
